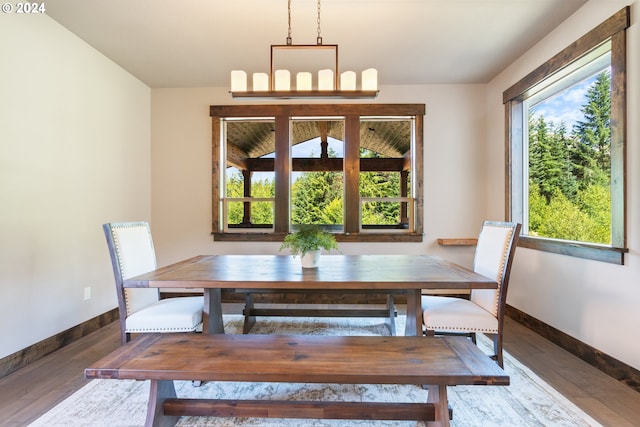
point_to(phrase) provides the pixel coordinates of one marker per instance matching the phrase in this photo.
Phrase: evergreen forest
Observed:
(570, 172)
(316, 197)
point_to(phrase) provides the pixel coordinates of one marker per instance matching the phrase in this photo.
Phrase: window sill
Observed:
(340, 237)
(575, 249)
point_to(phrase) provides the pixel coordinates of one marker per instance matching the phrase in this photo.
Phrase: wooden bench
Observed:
(436, 362)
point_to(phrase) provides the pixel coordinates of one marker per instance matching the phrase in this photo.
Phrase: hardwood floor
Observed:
(30, 392)
(33, 390)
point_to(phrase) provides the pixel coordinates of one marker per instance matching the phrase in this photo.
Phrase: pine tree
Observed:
(379, 184)
(312, 194)
(592, 151)
(550, 167)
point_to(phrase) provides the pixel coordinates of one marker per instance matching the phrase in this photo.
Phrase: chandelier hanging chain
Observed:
(289, 39)
(319, 39)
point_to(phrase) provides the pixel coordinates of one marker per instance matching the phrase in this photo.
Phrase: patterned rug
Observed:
(528, 401)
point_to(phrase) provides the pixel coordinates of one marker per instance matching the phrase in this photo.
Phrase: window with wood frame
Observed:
(566, 134)
(354, 169)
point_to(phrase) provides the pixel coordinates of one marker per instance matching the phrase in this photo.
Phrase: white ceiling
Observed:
(192, 43)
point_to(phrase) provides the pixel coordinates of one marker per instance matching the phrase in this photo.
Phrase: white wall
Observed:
(181, 165)
(74, 153)
(595, 302)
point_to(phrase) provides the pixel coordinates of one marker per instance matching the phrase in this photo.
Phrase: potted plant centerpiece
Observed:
(307, 243)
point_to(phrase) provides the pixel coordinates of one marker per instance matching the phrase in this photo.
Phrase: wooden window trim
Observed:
(352, 114)
(614, 29)
(612, 26)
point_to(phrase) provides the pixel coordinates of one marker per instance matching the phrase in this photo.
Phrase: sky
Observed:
(565, 106)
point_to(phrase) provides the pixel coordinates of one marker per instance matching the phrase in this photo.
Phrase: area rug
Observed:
(528, 401)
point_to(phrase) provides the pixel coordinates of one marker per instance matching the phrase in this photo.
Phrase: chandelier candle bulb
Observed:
(303, 81)
(260, 82)
(325, 80)
(348, 80)
(370, 79)
(238, 81)
(283, 80)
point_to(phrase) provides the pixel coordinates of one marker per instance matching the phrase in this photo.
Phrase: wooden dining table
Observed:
(393, 274)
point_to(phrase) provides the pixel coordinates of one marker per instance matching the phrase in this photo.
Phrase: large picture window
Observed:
(356, 170)
(566, 141)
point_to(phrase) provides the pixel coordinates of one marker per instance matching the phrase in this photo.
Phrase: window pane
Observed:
(317, 180)
(249, 175)
(570, 161)
(385, 173)
(254, 211)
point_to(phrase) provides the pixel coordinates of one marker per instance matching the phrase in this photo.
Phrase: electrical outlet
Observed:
(87, 293)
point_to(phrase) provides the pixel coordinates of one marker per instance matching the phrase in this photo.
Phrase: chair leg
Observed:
(497, 348)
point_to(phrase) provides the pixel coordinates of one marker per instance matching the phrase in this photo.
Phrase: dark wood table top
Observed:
(365, 272)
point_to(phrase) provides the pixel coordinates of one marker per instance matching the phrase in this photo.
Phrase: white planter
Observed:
(311, 259)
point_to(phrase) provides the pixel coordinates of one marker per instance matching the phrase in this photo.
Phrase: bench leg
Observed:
(249, 318)
(160, 391)
(438, 398)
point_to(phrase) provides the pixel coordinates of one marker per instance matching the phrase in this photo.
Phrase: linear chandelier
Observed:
(329, 83)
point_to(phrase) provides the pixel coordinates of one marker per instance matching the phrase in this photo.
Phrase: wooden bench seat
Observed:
(436, 362)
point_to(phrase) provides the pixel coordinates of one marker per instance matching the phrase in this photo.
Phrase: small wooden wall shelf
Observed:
(458, 242)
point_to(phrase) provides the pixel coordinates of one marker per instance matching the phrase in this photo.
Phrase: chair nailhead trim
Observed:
(165, 329)
(449, 328)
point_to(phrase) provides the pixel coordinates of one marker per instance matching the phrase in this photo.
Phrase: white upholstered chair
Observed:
(483, 312)
(141, 309)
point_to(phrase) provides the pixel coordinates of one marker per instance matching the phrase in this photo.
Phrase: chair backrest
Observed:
(132, 253)
(493, 258)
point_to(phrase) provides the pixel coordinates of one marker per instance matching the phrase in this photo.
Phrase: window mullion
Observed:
(352, 174)
(282, 174)
(216, 175)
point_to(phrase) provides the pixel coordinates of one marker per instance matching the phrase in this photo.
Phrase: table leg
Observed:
(391, 310)
(160, 390)
(249, 317)
(438, 398)
(414, 313)
(212, 312)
